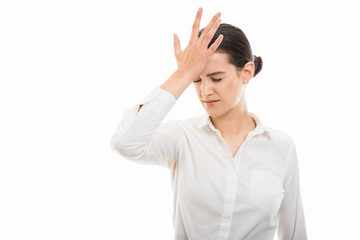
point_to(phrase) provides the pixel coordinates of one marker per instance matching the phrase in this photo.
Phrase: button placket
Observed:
(229, 203)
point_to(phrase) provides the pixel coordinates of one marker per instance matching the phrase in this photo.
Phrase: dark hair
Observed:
(237, 46)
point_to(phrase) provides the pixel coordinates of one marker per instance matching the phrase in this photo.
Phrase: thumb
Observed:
(177, 47)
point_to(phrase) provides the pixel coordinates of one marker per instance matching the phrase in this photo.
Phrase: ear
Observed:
(248, 71)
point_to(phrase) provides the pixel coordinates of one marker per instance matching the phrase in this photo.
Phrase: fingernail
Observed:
(200, 8)
(218, 14)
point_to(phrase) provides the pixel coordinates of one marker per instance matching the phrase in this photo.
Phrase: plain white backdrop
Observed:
(70, 69)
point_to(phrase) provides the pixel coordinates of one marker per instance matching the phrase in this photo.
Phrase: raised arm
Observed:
(141, 136)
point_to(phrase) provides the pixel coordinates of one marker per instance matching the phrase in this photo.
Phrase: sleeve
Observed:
(142, 137)
(290, 218)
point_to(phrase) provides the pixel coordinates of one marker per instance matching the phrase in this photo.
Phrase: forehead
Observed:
(218, 62)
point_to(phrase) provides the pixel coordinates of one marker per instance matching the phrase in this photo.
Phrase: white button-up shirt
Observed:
(217, 196)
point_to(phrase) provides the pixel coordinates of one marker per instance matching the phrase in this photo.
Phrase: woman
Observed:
(232, 176)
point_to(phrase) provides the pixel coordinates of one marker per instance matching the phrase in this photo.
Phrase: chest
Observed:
(235, 143)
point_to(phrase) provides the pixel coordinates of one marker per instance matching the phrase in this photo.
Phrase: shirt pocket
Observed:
(266, 191)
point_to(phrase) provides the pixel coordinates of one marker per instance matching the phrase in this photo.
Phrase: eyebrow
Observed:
(214, 73)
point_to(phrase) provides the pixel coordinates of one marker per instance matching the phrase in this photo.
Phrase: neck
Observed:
(234, 123)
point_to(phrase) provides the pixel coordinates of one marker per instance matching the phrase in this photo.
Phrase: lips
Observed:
(210, 102)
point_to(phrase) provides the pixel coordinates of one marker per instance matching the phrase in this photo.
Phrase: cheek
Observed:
(231, 90)
(228, 87)
(236, 83)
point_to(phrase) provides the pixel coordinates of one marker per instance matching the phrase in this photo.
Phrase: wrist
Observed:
(177, 83)
(185, 75)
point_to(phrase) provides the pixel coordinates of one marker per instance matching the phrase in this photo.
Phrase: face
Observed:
(220, 86)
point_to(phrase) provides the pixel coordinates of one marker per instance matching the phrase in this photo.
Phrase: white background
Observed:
(69, 69)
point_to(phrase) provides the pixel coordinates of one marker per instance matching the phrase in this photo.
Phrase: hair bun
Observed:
(258, 64)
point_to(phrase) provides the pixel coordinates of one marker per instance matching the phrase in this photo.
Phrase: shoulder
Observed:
(281, 142)
(277, 134)
(279, 137)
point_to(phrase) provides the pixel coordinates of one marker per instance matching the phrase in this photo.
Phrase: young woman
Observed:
(232, 176)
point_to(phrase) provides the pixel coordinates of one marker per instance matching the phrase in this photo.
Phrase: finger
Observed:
(210, 34)
(177, 47)
(209, 26)
(216, 44)
(196, 26)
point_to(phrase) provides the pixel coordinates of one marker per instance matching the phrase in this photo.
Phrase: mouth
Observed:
(211, 103)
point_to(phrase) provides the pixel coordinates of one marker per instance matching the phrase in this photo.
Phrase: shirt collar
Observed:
(205, 120)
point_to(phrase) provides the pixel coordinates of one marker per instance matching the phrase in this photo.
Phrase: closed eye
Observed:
(214, 80)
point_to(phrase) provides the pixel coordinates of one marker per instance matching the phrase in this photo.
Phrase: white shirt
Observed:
(217, 196)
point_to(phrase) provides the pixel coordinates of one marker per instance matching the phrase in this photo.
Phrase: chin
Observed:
(213, 113)
(216, 113)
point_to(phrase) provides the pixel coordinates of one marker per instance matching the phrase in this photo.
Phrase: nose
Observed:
(206, 88)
